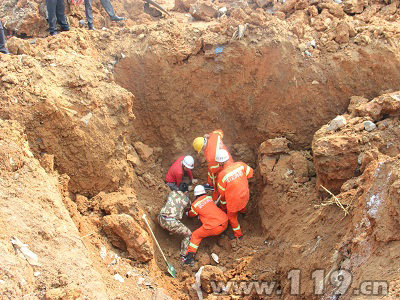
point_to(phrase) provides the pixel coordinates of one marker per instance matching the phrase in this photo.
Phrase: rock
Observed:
(203, 10)
(82, 204)
(274, 146)
(211, 273)
(337, 123)
(342, 35)
(262, 3)
(335, 159)
(133, 159)
(47, 162)
(299, 166)
(333, 8)
(143, 150)
(356, 103)
(266, 165)
(10, 78)
(280, 15)
(136, 240)
(183, 5)
(354, 6)
(369, 126)
(124, 202)
(64, 293)
(204, 259)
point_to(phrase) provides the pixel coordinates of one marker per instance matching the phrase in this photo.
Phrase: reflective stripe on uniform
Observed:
(237, 228)
(198, 203)
(231, 172)
(193, 245)
(215, 167)
(193, 211)
(218, 132)
(220, 187)
(248, 171)
(223, 202)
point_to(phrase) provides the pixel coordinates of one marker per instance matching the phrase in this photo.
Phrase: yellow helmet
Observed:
(198, 144)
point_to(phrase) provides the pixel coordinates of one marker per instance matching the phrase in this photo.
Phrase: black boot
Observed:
(3, 48)
(116, 18)
(189, 259)
(91, 26)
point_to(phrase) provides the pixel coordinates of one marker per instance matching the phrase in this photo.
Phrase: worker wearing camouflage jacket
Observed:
(171, 214)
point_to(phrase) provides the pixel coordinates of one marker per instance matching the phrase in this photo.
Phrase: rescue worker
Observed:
(214, 221)
(56, 14)
(210, 143)
(3, 48)
(233, 186)
(181, 167)
(171, 214)
(108, 8)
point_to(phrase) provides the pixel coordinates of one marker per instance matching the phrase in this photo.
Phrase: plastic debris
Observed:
(86, 119)
(36, 274)
(369, 126)
(103, 252)
(197, 284)
(140, 280)
(118, 278)
(215, 257)
(31, 257)
(219, 49)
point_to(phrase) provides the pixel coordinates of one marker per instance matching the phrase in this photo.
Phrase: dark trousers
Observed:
(56, 14)
(89, 11)
(3, 48)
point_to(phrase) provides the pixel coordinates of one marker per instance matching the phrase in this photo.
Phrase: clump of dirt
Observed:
(91, 120)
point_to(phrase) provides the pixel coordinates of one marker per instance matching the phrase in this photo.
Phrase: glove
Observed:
(195, 181)
(187, 214)
(207, 186)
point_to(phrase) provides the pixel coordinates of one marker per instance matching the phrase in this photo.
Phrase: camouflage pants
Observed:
(175, 226)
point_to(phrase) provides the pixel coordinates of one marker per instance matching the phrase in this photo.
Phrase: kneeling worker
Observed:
(171, 214)
(181, 167)
(214, 220)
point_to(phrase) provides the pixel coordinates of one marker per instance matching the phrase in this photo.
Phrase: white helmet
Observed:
(199, 190)
(188, 162)
(222, 156)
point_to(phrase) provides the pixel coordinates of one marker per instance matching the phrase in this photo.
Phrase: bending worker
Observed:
(214, 220)
(210, 144)
(171, 214)
(233, 186)
(181, 167)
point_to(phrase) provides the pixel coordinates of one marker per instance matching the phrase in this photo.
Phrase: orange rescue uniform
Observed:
(233, 186)
(214, 220)
(214, 143)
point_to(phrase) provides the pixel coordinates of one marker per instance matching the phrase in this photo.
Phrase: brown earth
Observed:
(91, 120)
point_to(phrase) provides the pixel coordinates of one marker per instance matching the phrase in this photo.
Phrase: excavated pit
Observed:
(98, 96)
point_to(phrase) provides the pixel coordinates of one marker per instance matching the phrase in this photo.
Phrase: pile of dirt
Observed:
(91, 120)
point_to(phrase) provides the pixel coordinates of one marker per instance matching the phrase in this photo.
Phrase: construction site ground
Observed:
(306, 92)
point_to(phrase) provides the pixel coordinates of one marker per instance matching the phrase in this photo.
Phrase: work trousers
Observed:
(89, 9)
(176, 227)
(56, 14)
(233, 219)
(3, 48)
(202, 233)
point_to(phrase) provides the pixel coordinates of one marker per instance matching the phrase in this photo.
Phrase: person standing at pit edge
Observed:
(214, 221)
(56, 14)
(108, 8)
(3, 48)
(233, 186)
(183, 165)
(210, 144)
